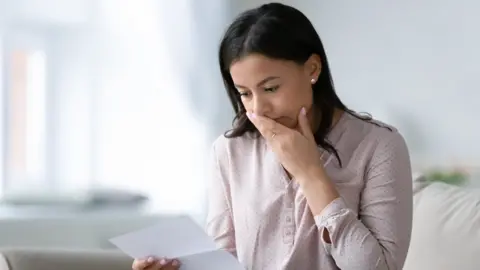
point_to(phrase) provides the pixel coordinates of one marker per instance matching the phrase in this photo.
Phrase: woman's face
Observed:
(276, 89)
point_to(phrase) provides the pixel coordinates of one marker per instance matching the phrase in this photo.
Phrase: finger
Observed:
(143, 263)
(174, 265)
(266, 126)
(159, 264)
(304, 125)
(170, 265)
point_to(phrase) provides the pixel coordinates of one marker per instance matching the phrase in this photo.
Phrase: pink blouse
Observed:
(263, 219)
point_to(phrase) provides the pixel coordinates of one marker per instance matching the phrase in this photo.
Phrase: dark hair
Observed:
(280, 32)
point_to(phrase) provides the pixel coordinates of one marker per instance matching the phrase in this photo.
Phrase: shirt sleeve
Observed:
(219, 223)
(379, 236)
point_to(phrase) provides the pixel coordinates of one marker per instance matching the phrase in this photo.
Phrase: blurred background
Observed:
(108, 107)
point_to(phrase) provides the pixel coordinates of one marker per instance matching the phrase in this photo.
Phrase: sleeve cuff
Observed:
(327, 219)
(334, 209)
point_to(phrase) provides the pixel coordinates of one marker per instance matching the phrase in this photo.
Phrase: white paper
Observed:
(177, 237)
(213, 260)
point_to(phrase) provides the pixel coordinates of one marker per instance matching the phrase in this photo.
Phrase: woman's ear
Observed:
(313, 67)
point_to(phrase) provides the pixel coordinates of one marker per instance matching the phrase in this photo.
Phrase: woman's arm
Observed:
(379, 237)
(219, 219)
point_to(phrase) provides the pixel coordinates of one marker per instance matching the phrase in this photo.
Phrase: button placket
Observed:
(288, 218)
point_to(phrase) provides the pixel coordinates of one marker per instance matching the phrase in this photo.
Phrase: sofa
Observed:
(58, 259)
(445, 236)
(446, 227)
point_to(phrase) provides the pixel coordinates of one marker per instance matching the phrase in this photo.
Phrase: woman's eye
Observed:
(243, 94)
(272, 89)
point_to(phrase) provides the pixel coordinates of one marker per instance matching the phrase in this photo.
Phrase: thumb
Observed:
(304, 125)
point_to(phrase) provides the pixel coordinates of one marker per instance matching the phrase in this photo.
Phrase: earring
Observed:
(312, 81)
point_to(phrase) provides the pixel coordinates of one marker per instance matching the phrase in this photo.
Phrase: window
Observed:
(25, 118)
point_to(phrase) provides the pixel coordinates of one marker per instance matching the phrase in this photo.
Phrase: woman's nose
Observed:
(260, 106)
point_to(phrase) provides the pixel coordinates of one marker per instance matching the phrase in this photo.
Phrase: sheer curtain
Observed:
(158, 92)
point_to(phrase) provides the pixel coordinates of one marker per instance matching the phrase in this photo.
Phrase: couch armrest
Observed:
(46, 259)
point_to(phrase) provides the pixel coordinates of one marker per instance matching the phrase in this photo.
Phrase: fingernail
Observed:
(150, 260)
(304, 111)
(163, 261)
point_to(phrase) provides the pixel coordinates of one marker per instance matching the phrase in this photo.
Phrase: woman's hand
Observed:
(298, 153)
(155, 264)
(296, 149)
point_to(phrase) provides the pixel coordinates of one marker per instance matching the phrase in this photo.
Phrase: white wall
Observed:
(63, 12)
(413, 64)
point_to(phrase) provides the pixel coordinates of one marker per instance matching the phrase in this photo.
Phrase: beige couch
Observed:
(446, 236)
(50, 259)
(446, 228)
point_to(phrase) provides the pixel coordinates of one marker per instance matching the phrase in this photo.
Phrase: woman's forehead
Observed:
(259, 65)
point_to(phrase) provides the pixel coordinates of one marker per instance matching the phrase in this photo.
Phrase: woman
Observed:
(301, 181)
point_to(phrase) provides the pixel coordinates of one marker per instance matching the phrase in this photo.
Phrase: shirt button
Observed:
(289, 219)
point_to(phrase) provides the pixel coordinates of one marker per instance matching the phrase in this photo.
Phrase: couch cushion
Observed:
(446, 228)
(3, 263)
(36, 259)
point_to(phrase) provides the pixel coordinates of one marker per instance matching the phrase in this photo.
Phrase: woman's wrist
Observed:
(318, 189)
(314, 173)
